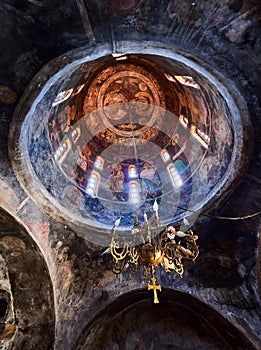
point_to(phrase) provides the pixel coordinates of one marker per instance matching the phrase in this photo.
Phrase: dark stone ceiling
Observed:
(154, 327)
(225, 35)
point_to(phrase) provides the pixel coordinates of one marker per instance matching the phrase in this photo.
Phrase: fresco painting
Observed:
(122, 143)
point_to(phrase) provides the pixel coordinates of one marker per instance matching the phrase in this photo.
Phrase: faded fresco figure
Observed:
(64, 117)
(116, 182)
(55, 132)
(74, 199)
(149, 171)
(71, 113)
(150, 179)
(82, 166)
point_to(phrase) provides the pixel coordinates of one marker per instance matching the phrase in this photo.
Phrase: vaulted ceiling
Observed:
(41, 39)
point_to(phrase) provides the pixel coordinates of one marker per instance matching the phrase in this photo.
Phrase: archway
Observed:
(180, 321)
(26, 305)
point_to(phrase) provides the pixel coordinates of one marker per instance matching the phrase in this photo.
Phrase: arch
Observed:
(180, 321)
(31, 287)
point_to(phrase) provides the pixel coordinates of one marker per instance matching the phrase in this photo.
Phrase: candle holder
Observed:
(167, 248)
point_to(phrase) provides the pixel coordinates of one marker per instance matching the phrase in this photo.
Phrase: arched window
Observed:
(134, 194)
(98, 164)
(183, 120)
(202, 138)
(132, 171)
(78, 89)
(76, 134)
(93, 184)
(165, 155)
(174, 176)
(62, 96)
(187, 80)
(62, 151)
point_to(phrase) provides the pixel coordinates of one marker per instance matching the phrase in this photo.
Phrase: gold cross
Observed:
(155, 288)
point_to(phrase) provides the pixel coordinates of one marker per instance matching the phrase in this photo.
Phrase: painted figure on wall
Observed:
(148, 171)
(116, 182)
(63, 117)
(151, 180)
(66, 118)
(61, 125)
(55, 132)
(73, 198)
(71, 115)
(82, 166)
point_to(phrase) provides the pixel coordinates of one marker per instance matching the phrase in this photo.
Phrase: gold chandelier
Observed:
(165, 248)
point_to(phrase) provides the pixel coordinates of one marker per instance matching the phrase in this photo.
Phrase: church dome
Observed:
(111, 134)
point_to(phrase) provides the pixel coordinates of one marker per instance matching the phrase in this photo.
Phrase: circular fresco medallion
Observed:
(7, 95)
(125, 96)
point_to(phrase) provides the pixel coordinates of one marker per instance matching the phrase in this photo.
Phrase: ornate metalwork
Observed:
(176, 246)
(167, 249)
(117, 252)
